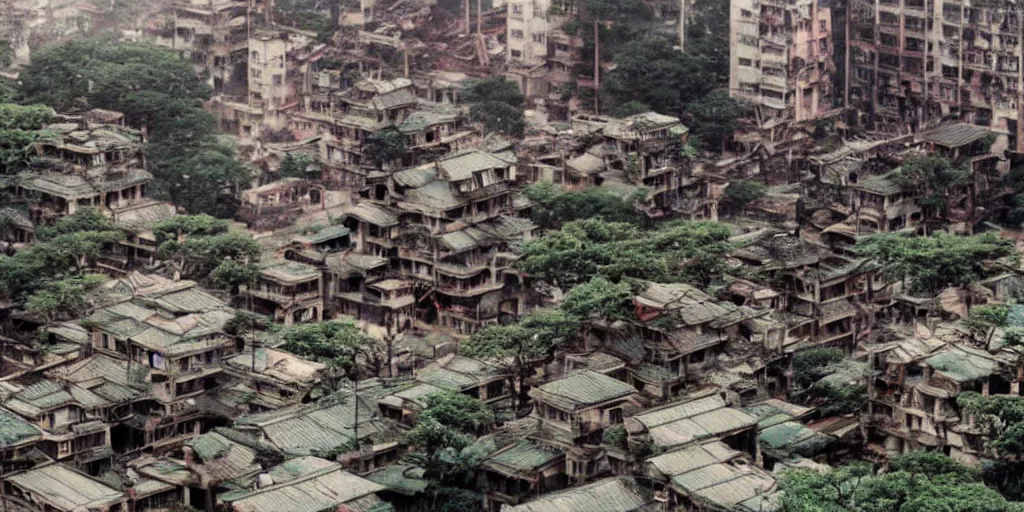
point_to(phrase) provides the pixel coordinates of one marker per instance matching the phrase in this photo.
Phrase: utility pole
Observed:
(597, 66)
(682, 24)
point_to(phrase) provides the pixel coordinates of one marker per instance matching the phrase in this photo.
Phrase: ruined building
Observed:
(917, 61)
(781, 57)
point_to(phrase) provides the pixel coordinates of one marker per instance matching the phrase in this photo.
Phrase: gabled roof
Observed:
(15, 431)
(954, 135)
(373, 214)
(289, 272)
(279, 365)
(462, 166)
(400, 478)
(456, 373)
(66, 489)
(222, 458)
(322, 489)
(581, 389)
(521, 459)
(691, 306)
(694, 420)
(616, 494)
(302, 430)
(962, 365)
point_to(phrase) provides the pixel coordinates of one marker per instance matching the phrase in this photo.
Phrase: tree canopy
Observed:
(497, 104)
(338, 344)
(931, 263)
(678, 251)
(553, 206)
(156, 90)
(916, 482)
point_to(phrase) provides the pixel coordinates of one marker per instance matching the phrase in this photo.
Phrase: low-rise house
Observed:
(79, 165)
(693, 420)
(68, 415)
(57, 488)
(711, 476)
(405, 487)
(584, 403)
(278, 204)
(279, 378)
(175, 329)
(307, 483)
(451, 372)
(18, 438)
(288, 291)
(520, 471)
(616, 494)
(318, 428)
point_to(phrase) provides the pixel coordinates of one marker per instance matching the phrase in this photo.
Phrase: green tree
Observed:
(196, 257)
(85, 219)
(982, 322)
(631, 108)
(497, 104)
(929, 264)
(678, 251)
(933, 176)
(156, 90)
(459, 412)
(296, 167)
(651, 72)
(553, 206)
(385, 146)
(24, 117)
(855, 488)
(522, 345)
(206, 182)
(230, 275)
(741, 193)
(64, 299)
(811, 365)
(340, 345)
(19, 129)
(181, 226)
(600, 298)
(714, 118)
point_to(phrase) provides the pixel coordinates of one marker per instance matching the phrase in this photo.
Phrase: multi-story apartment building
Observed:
(781, 57)
(213, 35)
(913, 62)
(447, 229)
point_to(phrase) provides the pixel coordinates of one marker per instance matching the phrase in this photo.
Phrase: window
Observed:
(746, 63)
(748, 40)
(615, 416)
(517, 34)
(746, 14)
(517, 9)
(517, 54)
(538, 37)
(278, 79)
(822, 26)
(256, 73)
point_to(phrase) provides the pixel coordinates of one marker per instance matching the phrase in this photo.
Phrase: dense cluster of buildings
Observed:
(157, 396)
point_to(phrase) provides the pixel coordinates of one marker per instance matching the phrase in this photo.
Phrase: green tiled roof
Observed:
(582, 388)
(461, 166)
(400, 478)
(373, 214)
(521, 459)
(14, 430)
(617, 494)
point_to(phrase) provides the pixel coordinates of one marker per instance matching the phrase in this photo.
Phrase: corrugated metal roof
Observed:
(373, 214)
(618, 494)
(582, 388)
(14, 430)
(461, 166)
(955, 134)
(688, 459)
(400, 478)
(67, 489)
(521, 459)
(323, 489)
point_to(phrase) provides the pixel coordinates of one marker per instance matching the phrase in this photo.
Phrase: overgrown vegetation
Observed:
(155, 89)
